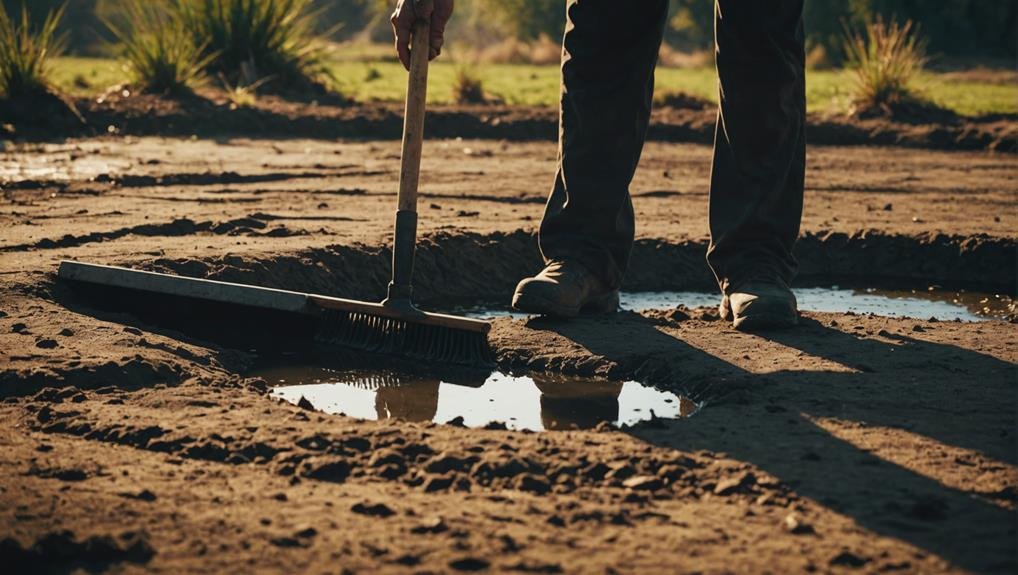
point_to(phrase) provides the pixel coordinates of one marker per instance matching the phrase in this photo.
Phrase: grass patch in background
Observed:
(885, 59)
(26, 52)
(161, 52)
(467, 86)
(524, 84)
(255, 39)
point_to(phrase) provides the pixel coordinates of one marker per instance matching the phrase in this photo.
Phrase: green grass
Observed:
(826, 90)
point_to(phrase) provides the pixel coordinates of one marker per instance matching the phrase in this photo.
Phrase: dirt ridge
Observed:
(501, 259)
(278, 118)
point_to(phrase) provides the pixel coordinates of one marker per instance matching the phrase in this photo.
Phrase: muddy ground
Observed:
(851, 443)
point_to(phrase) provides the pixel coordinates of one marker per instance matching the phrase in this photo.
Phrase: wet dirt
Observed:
(854, 440)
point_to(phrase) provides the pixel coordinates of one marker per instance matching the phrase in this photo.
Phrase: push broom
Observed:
(394, 326)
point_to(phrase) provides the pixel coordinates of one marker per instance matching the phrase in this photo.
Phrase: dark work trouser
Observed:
(609, 54)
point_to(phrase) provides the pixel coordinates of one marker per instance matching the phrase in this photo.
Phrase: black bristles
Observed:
(408, 339)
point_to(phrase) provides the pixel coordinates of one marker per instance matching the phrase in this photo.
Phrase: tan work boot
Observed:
(564, 289)
(760, 303)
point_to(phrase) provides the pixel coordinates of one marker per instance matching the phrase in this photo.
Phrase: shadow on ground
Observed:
(945, 393)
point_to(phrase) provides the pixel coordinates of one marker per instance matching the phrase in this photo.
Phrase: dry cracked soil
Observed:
(852, 443)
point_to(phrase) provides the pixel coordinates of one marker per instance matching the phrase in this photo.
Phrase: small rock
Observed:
(66, 332)
(918, 328)
(46, 343)
(306, 533)
(305, 404)
(643, 483)
(19, 328)
(795, 525)
(435, 525)
(457, 421)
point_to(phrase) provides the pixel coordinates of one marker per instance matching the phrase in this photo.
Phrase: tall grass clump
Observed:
(26, 52)
(161, 52)
(253, 39)
(467, 86)
(885, 59)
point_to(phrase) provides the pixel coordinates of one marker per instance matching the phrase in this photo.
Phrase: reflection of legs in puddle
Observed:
(567, 403)
(417, 401)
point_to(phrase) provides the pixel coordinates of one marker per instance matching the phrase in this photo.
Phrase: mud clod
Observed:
(470, 564)
(848, 559)
(532, 484)
(327, 469)
(373, 509)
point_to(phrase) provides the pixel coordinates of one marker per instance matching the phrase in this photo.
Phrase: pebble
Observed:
(434, 525)
(796, 525)
(643, 483)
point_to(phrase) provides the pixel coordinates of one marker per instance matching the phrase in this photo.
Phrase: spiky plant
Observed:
(26, 52)
(253, 39)
(885, 59)
(467, 87)
(162, 54)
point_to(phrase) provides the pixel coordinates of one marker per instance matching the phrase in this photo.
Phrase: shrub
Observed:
(885, 60)
(253, 39)
(161, 53)
(25, 53)
(467, 86)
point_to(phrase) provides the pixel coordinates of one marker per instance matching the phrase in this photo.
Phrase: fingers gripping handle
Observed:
(405, 233)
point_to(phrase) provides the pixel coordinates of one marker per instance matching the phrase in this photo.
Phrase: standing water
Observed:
(535, 403)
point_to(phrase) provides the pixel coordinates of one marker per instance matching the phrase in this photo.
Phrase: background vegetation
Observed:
(517, 40)
(953, 28)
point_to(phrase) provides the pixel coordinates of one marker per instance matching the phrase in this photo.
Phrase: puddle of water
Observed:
(943, 305)
(536, 404)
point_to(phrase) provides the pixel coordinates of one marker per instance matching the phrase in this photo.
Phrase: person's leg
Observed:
(759, 150)
(608, 59)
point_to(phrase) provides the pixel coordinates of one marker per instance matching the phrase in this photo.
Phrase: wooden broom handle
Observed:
(413, 120)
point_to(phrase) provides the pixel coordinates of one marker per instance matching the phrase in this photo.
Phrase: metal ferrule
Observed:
(404, 240)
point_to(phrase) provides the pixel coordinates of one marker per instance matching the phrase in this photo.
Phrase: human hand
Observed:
(407, 12)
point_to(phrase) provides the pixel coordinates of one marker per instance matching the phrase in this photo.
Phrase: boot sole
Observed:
(608, 303)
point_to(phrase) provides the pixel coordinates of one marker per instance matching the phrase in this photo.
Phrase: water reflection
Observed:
(536, 403)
